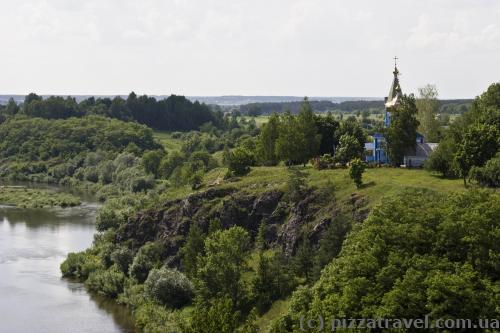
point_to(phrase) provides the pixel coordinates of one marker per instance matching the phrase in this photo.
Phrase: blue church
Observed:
(376, 149)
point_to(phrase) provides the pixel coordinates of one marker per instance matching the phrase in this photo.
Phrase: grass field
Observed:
(377, 181)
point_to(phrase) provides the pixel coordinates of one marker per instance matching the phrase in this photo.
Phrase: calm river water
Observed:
(33, 296)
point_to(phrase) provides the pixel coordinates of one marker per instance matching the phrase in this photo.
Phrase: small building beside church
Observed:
(376, 149)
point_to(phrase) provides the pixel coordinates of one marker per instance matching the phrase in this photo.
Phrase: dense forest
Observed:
(222, 226)
(175, 113)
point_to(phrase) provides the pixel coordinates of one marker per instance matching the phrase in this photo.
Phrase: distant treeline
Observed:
(175, 113)
(458, 106)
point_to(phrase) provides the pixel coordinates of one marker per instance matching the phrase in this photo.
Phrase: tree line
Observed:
(470, 147)
(175, 113)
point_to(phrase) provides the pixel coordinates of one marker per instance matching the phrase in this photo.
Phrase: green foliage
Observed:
(194, 246)
(296, 185)
(168, 287)
(80, 265)
(34, 198)
(216, 316)
(479, 144)
(240, 161)
(303, 260)
(273, 280)
(327, 127)
(428, 106)
(148, 257)
(151, 161)
(349, 149)
(356, 169)
(472, 139)
(330, 243)
(108, 282)
(401, 134)
(151, 317)
(442, 159)
(417, 253)
(266, 144)
(309, 131)
(107, 219)
(122, 257)
(290, 141)
(489, 174)
(221, 267)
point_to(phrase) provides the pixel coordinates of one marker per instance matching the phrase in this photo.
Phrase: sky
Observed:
(251, 47)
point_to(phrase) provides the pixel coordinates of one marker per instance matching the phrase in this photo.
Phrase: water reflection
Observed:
(33, 296)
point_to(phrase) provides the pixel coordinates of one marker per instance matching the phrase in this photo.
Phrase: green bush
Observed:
(489, 174)
(240, 161)
(108, 282)
(122, 257)
(148, 257)
(80, 265)
(356, 170)
(169, 287)
(107, 219)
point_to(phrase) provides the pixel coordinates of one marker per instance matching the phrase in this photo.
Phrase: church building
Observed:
(376, 149)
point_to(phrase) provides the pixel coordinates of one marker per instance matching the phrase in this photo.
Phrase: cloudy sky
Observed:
(248, 47)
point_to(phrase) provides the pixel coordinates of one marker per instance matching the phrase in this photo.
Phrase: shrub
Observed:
(169, 287)
(147, 258)
(122, 258)
(108, 282)
(356, 171)
(489, 174)
(80, 265)
(106, 219)
(240, 161)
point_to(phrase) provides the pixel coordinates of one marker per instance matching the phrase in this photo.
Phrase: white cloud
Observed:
(313, 47)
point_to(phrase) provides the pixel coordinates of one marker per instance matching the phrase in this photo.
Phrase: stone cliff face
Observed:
(284, 222)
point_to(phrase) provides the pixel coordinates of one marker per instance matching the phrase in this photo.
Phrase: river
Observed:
(33, 295)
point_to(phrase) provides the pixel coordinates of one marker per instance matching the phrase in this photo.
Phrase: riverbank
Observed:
(24, 197)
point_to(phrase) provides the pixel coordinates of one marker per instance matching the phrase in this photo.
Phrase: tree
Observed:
(151, 161)
(221, 267)
(327, 126)
(330, 243)
(216, 316)
(307, 126)
(169, 287)
(240, 161)
(349, 148)
(148, 257)
(11, 108)
(303, 260)
(266, 144)
(418, 253)
(480, 143)
(356, 171)
(401, 134)
(428, 105)
(441, 159)
(194, 246)
(273, 280)
(291, 141)
(489, 174)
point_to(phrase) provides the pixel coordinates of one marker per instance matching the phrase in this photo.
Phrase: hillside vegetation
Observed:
(239, 228)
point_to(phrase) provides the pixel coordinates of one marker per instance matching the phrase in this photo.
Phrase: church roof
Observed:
(395, 92)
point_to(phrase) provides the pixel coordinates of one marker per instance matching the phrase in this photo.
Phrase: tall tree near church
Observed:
(428, 105)
(402, 132)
